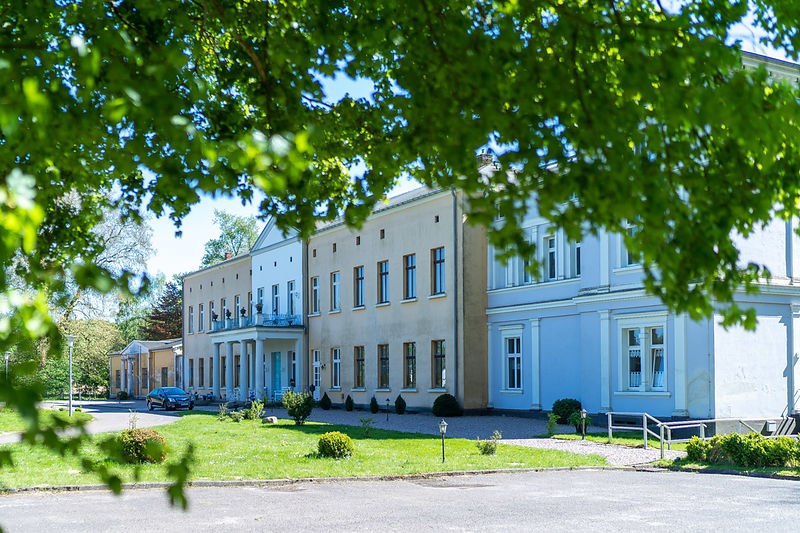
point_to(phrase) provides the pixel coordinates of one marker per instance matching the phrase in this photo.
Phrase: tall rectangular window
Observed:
(437, 270)
(191, 319)
(276, 299)
(629, 258)
(358, 286)
(211, 316)
(410, 365)
(383, 366)
(383, 282)
(223, 308)
(358, 367)
(645, 358)
(191, 372)
(410, 276)
(513, 363)
(260, 296)
(237, 306)
(314, 295)
(201, 372)
(336, 302)
(290, 296)
(118, 379)
(316, 366)
(201, 323)
(550, 272)
(577, 259)
(164, 376)
(336, 368)
(439, 378)
(293, 374)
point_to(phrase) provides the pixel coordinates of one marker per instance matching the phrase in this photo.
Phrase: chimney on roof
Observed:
(228, 255)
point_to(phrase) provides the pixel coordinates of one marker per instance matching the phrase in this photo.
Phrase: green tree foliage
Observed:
(237, 235)
(165, 318)
(608, 111)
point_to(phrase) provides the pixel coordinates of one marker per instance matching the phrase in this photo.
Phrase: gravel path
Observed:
(614, 454)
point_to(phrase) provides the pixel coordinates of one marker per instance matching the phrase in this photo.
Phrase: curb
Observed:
(731, 472)
(309, 480)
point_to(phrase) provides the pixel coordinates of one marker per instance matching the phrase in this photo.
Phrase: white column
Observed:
(229, 370)
(215, 373)
(605, 361)
(681, 408)
(536, 399)
(259, 369)
(298, 346)
(792, 378)
(244, 358)
(560, 254)
(605, 256)
(131, 377)
(790, 249)
(124, 371)
(491, 364)
(185, 370)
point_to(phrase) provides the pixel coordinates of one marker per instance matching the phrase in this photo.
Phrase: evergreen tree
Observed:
(165, 318)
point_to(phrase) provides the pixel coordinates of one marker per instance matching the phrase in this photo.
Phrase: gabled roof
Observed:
(271, 235)
(139, 346)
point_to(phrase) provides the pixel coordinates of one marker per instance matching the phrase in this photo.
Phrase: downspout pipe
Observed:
(455, 291)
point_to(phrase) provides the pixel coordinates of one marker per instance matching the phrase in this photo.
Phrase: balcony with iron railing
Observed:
(275, 320)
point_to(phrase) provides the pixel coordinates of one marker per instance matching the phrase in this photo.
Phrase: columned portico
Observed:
(265, 376)
(215, 371)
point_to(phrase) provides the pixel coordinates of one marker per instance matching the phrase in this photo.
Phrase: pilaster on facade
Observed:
(605, 360)
(792, 356)
(680, 387)
(536, 398)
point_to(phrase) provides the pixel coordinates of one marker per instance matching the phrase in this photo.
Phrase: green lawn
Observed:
(622, 438)
(248, 450)
(11, 421)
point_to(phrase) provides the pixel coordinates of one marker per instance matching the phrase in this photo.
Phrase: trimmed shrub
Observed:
(325, 402)
(348, 403)
(142, 445)
(565, 407)
(552, 420)
(237, 416)
(122, 395)
(373, 405)
(298, 405)
(489, 446)
(446, 405)
(400, 405)
(751, 450)
(335, 444)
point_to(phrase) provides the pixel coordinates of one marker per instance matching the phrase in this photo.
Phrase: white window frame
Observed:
(515, 339)
(336, 368)
(191, 320)
(317, 371)
(625, 259)
(201, 318)
(358, 286)
(315, 295)
(550, 253)
(290, 296)
(276, 299)
(336, 292)
(575, 265)
(644, 323)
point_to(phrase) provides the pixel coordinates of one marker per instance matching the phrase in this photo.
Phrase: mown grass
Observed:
(250, 450)
(632, 439)
(10, 420)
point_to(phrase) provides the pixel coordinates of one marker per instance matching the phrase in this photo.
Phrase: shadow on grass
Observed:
(354, 432)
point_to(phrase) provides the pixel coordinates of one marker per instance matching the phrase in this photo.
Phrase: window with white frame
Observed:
(237, 306)
(211, 318)
(383, 282)
(317, 369)
(358, 367)
(575, 259)
(629, 258)
(260, 297)
(513, 356)
(336, 300)
(358, 286)
(439, 377)
(550, 258)
(437, 270)
(276, 299)
(290, 297)
(409, 365)
(643, 362)
(191, 319)
(293, 374)
(336, 368)
(201, 323)
(314, 295)
(409, 276)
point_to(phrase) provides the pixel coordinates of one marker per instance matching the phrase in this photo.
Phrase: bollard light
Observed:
(442, 431)
(70, 342)
(583, 424)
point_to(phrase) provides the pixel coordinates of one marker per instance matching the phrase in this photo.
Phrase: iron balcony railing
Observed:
(273, 320)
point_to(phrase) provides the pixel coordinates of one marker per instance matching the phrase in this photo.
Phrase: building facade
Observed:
(397, 307)
(143, 366)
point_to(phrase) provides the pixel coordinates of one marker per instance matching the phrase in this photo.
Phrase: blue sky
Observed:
(182, 254)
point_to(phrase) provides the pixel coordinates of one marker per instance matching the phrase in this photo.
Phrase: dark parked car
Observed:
(169, 398)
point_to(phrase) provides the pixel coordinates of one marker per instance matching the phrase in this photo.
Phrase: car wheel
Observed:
(150, 405)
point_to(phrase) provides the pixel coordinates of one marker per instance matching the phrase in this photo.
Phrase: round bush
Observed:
(348, 403)
(565, 407)
(446, 405)
(142, 445)
(400, 405)
(335, 444)
(373, 405)
(325, 402)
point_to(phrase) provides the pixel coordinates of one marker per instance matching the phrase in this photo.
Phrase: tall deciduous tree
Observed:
(610, 111)
(237, 235)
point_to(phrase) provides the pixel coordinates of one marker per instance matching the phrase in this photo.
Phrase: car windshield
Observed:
(172, 391)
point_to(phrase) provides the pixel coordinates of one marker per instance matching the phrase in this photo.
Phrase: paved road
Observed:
(537, 501)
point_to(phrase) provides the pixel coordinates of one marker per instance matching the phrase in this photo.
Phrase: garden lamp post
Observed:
(387, 409)
(442, 431)
(70, 342)
(583, 424)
